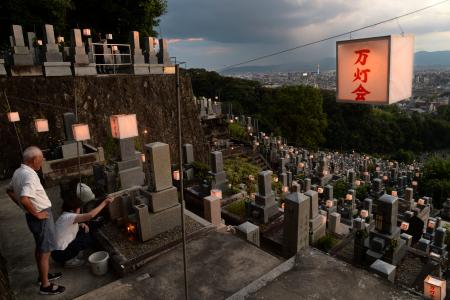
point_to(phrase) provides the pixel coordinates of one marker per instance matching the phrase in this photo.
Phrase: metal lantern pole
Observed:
(180, 160)
(14, 124)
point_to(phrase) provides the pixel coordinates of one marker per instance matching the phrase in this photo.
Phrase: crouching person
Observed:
(72, 233)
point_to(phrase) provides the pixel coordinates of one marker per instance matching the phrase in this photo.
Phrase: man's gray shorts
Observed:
(43, 231)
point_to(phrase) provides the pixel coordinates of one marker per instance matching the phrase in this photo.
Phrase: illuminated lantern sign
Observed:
(376, 70)
(434, 288)
(123, 126)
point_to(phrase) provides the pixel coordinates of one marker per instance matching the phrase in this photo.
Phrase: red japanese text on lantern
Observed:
(361, 75)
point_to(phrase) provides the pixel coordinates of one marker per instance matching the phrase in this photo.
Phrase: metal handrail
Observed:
(114, 63)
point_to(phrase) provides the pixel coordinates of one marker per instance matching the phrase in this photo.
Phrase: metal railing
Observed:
(112, 56)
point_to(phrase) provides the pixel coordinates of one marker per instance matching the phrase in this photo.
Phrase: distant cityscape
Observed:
(431, 88)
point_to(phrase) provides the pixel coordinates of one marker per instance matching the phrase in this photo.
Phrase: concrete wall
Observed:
(151, 97)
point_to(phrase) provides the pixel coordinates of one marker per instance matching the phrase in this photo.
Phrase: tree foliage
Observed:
(238, 171)
(293, 112)
(435, 181)
(102, 16)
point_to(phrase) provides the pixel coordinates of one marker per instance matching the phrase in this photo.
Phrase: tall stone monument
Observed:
(219, 177)
(296, 223)
(264, 206)
(151, 55)
(53, 60)
(317, 228)
(81, 65)
(22, 58)
(139, 67)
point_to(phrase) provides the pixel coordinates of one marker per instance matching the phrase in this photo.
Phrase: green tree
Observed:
(435, 181)
(239, 170)
(102, 16)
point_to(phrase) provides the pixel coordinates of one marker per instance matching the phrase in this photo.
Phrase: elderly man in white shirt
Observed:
(28, 193)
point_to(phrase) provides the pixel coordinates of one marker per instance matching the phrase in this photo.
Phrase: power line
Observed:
(334, 36)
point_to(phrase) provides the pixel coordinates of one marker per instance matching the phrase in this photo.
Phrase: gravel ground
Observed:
(131, 248)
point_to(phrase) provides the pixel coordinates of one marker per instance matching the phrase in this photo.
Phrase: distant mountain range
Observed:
(422, 60)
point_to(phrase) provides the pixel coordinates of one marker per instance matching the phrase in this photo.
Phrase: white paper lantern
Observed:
(434, 288)
(123, 126)
(284, 189)
(41, 125)
(13, 116)
(143, 157)
(349, 197)
(216, 193)
(169, 70)
(421, 202)
(39, 42)
(320, 190)
(364, 213)
(404, 226)
(375, 70)
(394, 193)
(86, 32)
(60, 39)
(109, 36)
(176, 175)
(81, 132)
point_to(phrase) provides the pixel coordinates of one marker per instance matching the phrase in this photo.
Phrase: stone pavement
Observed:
(17, 247)
(319, 276)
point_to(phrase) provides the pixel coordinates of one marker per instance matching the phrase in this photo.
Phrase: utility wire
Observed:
(334, 36)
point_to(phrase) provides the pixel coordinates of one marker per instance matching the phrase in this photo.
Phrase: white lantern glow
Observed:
(431, 224)
(169, 70)
(275, 179)
(320, 190)
(357, 182)
(86, 32)
(176, 175)
(364, 213)
(284, 189)
(109, 36)
(377, 169)
(394, 193)
(414, 183)
(434, 288)
(123, 126)
(81, 132)
(41, 125)
(301, 165)
(421, 202)
(39, 42)
(60, 39)
(376, 70)
(404, 226)
(349, 197)
(13, 116)
(143, 157)
(114, 48)
(216, 193)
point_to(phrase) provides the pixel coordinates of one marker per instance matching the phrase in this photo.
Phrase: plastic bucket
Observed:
(99, 262)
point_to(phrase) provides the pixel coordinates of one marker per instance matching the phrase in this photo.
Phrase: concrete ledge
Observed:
(263, 280)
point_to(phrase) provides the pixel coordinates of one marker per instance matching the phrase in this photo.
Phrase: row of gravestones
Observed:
(80, 59)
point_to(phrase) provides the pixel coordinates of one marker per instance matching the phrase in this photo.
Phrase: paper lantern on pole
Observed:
(169, 70)
(109, 36)
(13, 116)
(143, 157)
(60, 39)
(81, 132)
(86, 32)
(123, 126)
(404, 226)
(364, 213)
(375, 70)
(434, 288)
(41, 125)
(176, 175)
(216, 193)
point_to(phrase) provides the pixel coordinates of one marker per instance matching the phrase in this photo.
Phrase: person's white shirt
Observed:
(25, 183)
(65, 230)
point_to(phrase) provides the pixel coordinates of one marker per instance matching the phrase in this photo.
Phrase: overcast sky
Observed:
(213, 34)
